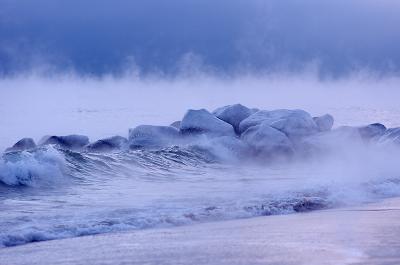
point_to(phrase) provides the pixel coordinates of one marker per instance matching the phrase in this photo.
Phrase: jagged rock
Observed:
(176, 124)
(267, 141)
(23, 144)
(149, 136)
(233, 114)
(202, 121)
(294, 123)
(73, 141)
(107, 144)
(324, 122)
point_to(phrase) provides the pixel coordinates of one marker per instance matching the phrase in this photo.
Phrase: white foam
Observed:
(42, 166)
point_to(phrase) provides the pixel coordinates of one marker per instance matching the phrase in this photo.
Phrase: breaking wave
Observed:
(30, 168)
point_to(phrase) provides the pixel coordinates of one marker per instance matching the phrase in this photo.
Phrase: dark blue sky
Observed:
(99, 37)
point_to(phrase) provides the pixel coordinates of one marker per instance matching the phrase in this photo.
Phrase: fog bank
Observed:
(35, 105)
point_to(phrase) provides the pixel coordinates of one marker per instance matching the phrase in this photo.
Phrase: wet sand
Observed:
(368, 234)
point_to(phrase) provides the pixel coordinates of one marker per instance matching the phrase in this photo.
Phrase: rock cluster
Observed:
(234, 129)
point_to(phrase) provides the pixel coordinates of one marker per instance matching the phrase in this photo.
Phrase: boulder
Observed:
(233, 114)
(372, 131)
(108, 144)
(176, 124)
(150, 136)
(294, 123)
(324, 122)
(267, 141)
(295, 127)
(72, 142)
(203, 122)
(23, 144)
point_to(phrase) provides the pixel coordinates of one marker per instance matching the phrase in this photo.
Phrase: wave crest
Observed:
(31, 168)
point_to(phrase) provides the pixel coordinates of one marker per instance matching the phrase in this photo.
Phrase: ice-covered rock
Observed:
(73, 141)
(108, 144)
(233, 114)
(324, 122)
(150, 136)
(202, 121)
(176, 124)
(267, 141)
(23, 144)
(294, 123)
(390, 136)
(372, 131)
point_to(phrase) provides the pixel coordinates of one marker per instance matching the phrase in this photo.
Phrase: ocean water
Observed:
(49, 193)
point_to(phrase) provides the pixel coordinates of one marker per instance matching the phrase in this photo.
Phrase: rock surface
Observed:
(233, 114)
(202, 121)
(22, 145)
(267, 141)
(372, 131)
(107, 144)
(294, 123)
(176, 124)
(324, 122)
(73, 141)
(150, 136)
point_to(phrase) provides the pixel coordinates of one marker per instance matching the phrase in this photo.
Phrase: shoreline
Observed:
(367, 234)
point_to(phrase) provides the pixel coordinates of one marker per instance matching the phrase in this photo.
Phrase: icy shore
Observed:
(358, 235)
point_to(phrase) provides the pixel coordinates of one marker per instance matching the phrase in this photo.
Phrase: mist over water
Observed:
(37, 105)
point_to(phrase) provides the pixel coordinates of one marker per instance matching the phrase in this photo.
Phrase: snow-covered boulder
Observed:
(391, 136)
(233, 114)
(72, 142)
(150, 136)
(324, 122)
(108, 144)
(267, 141)
(294, 123)
(202, 121)
(23, 144)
